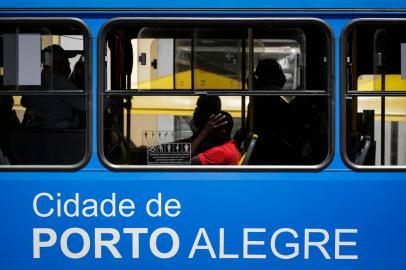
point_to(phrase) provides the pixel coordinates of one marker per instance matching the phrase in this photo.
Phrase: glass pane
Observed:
(271, 56)
(376, 134)
(217, 59)
(156, 72)
(217, 56)
(155, 58)
(183, 64)
(291, 58)
(294, 133)
(42, 130)
(162, 64)
(373, 82)
(38, 128)
(166, 121)
(36, 59)
(376, 57)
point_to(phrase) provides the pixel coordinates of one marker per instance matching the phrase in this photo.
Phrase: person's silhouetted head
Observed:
(269, 75)
(58, 58)
(205, 107)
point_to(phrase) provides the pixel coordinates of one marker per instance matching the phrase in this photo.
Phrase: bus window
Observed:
(165, 85)
(375, 94)
(43, 93)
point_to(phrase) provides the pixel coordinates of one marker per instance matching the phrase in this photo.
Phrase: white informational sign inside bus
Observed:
(169, 154)
(302, 243)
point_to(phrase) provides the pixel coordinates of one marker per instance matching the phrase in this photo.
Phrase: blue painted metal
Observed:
(350, 4)
(372, 202)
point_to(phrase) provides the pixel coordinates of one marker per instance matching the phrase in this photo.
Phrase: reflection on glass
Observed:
(300, 137)
(217, 64)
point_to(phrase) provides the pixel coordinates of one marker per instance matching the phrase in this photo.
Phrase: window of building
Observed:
(162, 81)
(44, 93)
(374, 105)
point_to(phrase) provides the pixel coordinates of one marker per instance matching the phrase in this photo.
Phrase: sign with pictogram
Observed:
(170, 153)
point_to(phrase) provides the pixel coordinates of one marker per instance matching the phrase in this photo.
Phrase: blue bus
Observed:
(195, 135)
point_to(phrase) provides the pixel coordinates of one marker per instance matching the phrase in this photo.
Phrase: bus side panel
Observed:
(368, 209)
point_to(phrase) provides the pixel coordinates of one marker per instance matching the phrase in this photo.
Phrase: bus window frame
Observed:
(344, 93)
(260, 21)
(87, 92)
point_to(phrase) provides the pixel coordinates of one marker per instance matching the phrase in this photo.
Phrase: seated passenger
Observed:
(268, 116)
(205, 107)
(54, 111)
(216, 131)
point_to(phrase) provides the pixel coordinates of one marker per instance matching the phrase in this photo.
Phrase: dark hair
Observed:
(230, 122)
(59, 59)
(56, 51)
(205, 107)
(269, 74)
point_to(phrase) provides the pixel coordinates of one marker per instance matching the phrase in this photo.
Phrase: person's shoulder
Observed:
(62, 83)
(231, 144)
(219, 149)
(213, 156)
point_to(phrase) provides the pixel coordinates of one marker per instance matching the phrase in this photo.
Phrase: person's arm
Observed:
(214, 122)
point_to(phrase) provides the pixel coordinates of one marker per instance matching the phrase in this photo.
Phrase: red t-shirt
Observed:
(226, 154)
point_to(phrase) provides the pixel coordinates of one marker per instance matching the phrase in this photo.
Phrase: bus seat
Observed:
(46, 146)
(366, 150)
(246, 157)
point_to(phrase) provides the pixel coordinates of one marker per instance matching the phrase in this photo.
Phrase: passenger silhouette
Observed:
(54, 111)
(290, 131)
(269, 116)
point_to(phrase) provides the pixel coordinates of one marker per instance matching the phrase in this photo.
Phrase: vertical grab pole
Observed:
(192, 60)
(128, 105)
(250, 77)
(383, 112)
(243, 81)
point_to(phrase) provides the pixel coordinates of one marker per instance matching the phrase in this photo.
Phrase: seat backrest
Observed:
(246, 157)
(365, 150)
